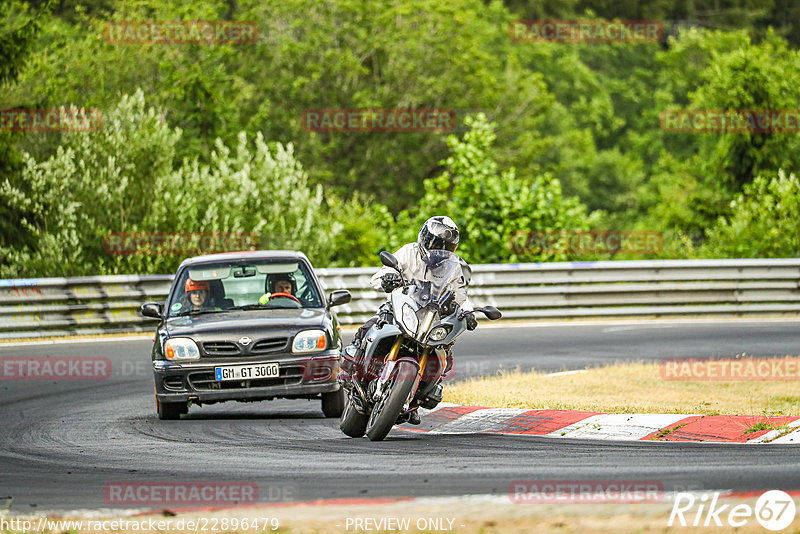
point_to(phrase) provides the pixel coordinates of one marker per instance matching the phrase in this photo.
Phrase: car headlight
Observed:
(410, 318)
(310, 341)
(181, 348)
(439, 333)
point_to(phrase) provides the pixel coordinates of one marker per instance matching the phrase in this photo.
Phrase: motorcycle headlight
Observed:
(439, 333)
(310, 341)
(180, 349)
(410, 318)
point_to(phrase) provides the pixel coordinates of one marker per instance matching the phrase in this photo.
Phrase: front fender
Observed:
(389, 370)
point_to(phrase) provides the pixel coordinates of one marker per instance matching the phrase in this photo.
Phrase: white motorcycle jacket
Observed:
(413, 267)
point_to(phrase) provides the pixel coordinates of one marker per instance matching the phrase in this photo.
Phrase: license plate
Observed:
(247, 372)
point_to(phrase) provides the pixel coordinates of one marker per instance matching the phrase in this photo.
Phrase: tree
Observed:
(124, 178)
(492, 208)
(19, 27)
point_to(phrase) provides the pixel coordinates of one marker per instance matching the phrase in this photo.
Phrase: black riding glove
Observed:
(389, 281)
(472, 322)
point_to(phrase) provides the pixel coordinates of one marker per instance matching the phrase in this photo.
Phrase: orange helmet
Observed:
(192, 285)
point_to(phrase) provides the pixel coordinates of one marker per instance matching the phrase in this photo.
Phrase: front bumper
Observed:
(302, 376)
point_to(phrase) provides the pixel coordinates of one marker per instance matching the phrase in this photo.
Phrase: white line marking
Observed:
(626, 427)
(792, 436)
(564, 373)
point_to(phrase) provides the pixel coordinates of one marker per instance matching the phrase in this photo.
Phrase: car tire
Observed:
(170, 410)
(333, 403)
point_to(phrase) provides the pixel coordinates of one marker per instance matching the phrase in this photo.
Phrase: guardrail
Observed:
(110, 304)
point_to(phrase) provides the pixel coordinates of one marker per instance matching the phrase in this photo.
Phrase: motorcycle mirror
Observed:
(388, 259)
(490, 312)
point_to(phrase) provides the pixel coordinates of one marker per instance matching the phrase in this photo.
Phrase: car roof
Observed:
(245, 255)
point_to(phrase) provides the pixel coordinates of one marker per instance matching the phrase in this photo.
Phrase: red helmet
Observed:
(192, 285)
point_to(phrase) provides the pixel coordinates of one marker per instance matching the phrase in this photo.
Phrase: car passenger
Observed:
(196, 297)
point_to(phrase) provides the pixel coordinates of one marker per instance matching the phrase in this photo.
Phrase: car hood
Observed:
(244, 320)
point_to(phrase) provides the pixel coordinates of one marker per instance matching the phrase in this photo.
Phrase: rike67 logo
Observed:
(774, 510)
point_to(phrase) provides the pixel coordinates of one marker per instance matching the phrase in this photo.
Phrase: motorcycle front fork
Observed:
(429, 398)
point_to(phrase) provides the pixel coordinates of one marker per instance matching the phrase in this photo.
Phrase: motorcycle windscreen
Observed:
(442, 268)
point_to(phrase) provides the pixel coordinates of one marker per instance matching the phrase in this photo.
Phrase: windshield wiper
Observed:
(249, 307)
(196, 312)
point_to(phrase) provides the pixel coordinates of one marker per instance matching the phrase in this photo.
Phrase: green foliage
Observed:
(697, 175)
(762, 223)
(309, 55)
(572, 140)
(763, 77)
(491, 207)
(122, 179)
(19, 27)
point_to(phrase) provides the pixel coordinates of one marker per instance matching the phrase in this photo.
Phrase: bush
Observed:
(123, 178)
(763, 221)
(491, 207)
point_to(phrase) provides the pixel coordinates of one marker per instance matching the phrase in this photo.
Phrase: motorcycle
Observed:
(405, 352)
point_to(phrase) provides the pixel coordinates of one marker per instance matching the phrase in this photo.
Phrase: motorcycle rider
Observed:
(437, 233)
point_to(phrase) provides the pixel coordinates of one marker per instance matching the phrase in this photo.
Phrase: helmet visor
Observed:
(439, 236)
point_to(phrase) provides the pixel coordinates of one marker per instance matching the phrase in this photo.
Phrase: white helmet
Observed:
(438, 233)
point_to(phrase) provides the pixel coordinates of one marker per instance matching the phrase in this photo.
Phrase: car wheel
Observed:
(333, 403)
(170, 410)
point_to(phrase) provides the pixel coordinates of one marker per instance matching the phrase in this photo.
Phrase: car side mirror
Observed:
(152, 309)
(490, 312)
(340, 296)
(388, 259)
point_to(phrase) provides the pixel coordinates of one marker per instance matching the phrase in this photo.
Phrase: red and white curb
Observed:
(457, 419)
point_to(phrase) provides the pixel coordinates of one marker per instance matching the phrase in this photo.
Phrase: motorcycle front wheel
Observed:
(386, 411)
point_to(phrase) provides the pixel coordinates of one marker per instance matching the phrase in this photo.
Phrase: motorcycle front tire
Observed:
(381, 423)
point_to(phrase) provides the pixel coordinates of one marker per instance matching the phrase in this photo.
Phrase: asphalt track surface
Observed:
(63, 441)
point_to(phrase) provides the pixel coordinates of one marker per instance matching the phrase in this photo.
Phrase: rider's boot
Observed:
(411, 417)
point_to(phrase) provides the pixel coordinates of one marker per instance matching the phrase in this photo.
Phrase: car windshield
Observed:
(243, 285)
(442, 268)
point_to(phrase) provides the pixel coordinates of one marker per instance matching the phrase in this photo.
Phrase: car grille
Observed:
(289, 376)
(269, 345)
(221, 348)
